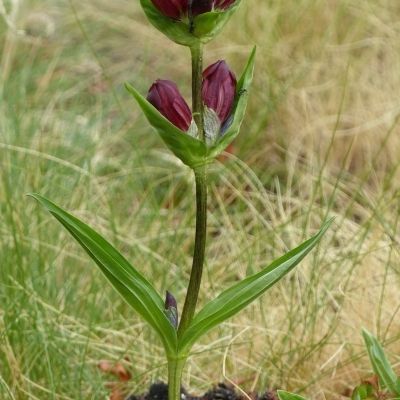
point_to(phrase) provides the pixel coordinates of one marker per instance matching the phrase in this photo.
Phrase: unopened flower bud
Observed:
(172, 8)
(171, 309)
(219, 89)
(164, 95)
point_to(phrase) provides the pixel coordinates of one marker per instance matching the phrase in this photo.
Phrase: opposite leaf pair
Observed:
(162, 316)
(218, 93)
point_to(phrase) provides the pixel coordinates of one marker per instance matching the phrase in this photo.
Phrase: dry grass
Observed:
(321, 135)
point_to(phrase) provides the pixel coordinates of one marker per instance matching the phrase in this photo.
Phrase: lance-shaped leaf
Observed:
(203, 28)
(191, 151)
(283, 395)
(239, 109)
(235, 299)
(380, 364)
(130, 284)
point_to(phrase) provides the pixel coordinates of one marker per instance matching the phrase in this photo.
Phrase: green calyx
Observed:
(191, 151)
(202, 28)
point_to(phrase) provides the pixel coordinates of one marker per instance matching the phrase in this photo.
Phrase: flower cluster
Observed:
(218, 93)
(197, 135)
(181, 9)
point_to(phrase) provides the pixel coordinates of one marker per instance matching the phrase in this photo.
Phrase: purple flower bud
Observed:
(223, 4)
(219, 89)
(164, 95)
(171, 309)
(170, 301)
(200, 6)
(172, 8)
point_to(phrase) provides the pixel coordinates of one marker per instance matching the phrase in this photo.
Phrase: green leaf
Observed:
(205, 26)
(191, 151)
(289, 396)
(130, 284)
(235, 299)
(239, 110)
(380, 364)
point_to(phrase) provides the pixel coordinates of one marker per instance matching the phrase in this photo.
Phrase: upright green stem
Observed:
(201, 196)
(175, 366)
(197, 79)
(199, 251)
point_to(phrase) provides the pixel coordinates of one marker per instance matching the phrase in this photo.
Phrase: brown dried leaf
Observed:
(116, 369)
(373, 381)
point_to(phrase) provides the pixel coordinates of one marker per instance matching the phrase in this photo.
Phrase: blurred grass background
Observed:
(321, 138)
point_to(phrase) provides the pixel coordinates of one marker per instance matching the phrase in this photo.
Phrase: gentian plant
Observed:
(196, 136)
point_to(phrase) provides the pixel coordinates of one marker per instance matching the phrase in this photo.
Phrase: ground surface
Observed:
(321, 138)
(159, 391)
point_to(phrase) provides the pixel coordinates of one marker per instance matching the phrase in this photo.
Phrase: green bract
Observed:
(239, 109)
(193, 152)
(204, 27)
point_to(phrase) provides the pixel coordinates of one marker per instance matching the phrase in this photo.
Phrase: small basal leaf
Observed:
(380, 364)
(235, 299)
(363, 392)
(289, 396)
(130, 284)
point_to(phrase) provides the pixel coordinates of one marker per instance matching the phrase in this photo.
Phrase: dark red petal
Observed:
(201, 6)
(223, 4)
(219, 89)
(172, 8)
(165, 96)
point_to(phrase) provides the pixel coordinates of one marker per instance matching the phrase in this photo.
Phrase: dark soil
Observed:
(159, 391)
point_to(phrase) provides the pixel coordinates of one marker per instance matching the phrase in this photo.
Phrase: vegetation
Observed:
(321, 137)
